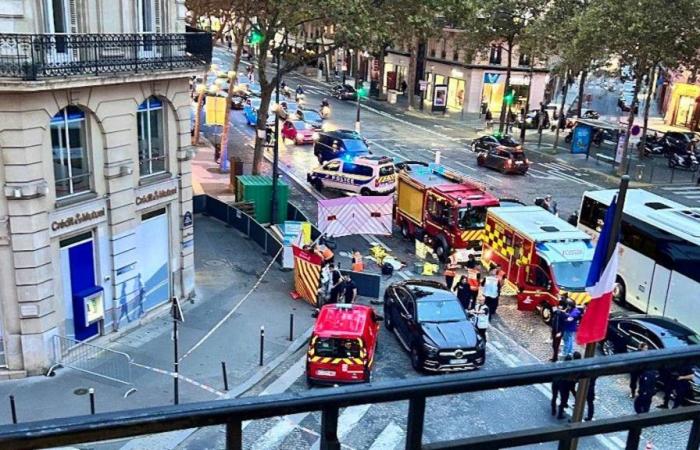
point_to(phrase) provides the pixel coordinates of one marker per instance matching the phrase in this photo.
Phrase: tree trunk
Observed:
(623, 167)
(232, 82)
(266, 88)
(565, 90)
(643, 141)
(382, 57)
(581, 85)
(506, 89)
(200, 101)
(412, 68)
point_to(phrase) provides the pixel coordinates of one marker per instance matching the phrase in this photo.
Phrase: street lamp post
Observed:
(523, 126)
(275, 147)
(357, 113)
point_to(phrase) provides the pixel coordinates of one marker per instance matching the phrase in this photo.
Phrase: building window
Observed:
(151, 142)
(495, 55)
(71, 166)
(455, 55)
(523, 60)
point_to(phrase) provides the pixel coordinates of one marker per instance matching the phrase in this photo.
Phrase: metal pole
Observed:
(13, 409)
(357, 113)
(276, 149)
(176, 364)
(527, 109)
(262, 343)
(91, 392)
(291, 326)
(583, 384)
(223, 371)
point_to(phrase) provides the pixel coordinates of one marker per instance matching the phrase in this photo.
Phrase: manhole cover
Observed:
(216, 263)
(80, 391)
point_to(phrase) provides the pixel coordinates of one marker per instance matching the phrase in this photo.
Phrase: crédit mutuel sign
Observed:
(147, 196)
(155, 195)
(79, 217)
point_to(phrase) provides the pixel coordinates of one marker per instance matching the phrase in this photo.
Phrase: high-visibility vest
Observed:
(326, 252)
(357, 264)
(472, 279)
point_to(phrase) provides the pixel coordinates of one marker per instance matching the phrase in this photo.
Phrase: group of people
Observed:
(562, 389)
(566, 317)
(479, 295)
(334, 286)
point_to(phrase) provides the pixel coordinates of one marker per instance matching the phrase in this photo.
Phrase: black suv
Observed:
(334, 144)
(430, 323)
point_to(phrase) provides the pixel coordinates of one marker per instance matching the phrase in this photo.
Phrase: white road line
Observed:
(389, 438)
(680, 188)
(461, 164)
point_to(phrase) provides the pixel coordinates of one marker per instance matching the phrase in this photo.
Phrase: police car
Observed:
(366, 175)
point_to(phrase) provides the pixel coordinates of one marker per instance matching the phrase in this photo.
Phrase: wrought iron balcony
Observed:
(232, 412)
(43, 56)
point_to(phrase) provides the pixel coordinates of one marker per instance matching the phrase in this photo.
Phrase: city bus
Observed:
(659, 268)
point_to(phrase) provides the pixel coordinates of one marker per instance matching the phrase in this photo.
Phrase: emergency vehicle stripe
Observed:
(328, 360)
(497, 241)
(473, 235)
(581, 298)
(306, 279)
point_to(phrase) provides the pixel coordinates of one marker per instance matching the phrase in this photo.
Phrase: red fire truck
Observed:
(445, 205)
(541, 256)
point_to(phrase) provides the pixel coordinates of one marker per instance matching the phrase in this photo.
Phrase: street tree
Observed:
(276, 31)
(501, 23)
(642, 34)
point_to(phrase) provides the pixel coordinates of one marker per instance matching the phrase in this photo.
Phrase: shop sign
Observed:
(153, 194)
(68, 220)
(491, 78)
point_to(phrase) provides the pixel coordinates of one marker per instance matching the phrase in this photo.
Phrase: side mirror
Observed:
(378, 318)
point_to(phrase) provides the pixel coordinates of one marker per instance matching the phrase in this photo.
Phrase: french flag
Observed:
(599, 284)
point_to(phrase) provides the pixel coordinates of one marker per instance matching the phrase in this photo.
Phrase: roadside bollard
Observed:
(13, 409)
(262, 343)
(437, 156)
(223, 371)
(91, 391)
(291, 326)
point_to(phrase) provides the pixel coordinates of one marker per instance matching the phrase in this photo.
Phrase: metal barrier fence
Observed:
(232, 412)
(93, 359)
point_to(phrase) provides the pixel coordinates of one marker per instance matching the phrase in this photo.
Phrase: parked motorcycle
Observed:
(325, 111)
(686, 160)
(653, 146)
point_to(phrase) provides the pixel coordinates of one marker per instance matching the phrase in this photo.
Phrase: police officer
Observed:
(647, 388)
(682, 385)
(561, 389)
(634, 375)
(558, 319)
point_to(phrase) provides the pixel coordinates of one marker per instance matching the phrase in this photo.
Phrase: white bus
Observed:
(659, 270)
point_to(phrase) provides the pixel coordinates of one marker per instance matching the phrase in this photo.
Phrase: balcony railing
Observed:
(233, 412)
(41, 56)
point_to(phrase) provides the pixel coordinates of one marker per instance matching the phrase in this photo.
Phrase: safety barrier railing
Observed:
(92, 359)
(232, 412)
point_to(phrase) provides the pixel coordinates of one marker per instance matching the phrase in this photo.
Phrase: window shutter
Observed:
(73, 15)
(157, 16)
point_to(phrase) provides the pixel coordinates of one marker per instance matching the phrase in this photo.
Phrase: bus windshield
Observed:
(337, 348)
(571, 274)
(472, 218)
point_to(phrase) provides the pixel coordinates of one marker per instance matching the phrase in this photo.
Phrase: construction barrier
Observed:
(368, 284)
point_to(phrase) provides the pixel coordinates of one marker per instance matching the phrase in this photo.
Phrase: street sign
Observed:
(176, 310)
(635, 131)
(620, 147)
(187, 220)
(423, 84)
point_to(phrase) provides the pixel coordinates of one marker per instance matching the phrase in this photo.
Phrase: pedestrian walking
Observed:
(471, 261)
(590, 395)
(634, 375)
(573, 315)
(482, 316)
(450, 268)
(560, 391)
(337, 280)
(325, 289)
(558, 320)
(647, 389)
(404, 86)
(489, 289)
(682, 386)
(349, 290)
(464, 293)
(357, 263)
(666, 377)
(489, 119)
(229, 42)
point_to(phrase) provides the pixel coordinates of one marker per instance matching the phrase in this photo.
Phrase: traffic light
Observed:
(362, 92)
(255, 37)
(510, 97)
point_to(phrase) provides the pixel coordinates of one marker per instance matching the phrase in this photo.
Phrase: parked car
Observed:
(338, 143)
(312, 117)
(250, 110)
(342, 345)
(504, 159)
(344, 92)
(485, 143)
(298, 131)
(431, 325)
(237, 102)
(364, 175)
(626, 332)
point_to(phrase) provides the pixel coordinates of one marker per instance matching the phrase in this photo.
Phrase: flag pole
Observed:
(583, 383)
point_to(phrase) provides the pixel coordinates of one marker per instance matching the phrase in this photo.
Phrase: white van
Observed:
(364, 175)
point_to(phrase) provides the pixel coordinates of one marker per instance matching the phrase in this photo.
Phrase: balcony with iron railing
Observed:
(36, 57)
(231, 413)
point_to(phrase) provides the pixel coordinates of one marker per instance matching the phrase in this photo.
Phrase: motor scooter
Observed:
(683, 160)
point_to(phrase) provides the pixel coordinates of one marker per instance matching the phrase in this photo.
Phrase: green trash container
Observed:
(257, 189)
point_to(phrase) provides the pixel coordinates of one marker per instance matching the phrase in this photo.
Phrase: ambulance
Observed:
(540, 255)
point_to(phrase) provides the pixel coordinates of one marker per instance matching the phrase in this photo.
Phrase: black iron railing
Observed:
(40, 56)
(232, 413)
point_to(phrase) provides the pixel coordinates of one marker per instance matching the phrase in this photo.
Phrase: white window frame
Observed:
(145, 127)
(65, 151)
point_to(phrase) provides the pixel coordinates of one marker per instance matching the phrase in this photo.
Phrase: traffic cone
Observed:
(649, 446)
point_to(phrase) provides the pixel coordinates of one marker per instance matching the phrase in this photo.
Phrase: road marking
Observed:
(348, 419)
(461, 164)
(390, 436)
(541, 175)
(181, 377)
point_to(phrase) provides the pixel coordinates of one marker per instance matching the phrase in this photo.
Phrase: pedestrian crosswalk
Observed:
(689, 194)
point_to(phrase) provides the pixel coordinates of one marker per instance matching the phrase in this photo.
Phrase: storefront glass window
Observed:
(152, 155)
(71, 166)
(492, 96)
(455, 93)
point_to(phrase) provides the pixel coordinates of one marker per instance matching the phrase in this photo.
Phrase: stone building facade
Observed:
(96, 210)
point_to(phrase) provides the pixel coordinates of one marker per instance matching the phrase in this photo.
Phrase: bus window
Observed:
(592, 214)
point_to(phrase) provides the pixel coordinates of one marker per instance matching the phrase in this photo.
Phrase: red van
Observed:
(342, 345)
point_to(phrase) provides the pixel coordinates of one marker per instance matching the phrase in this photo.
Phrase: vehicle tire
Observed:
(694, 167)
(415, 359)
(607, 347)
(309, 383)
(479, 162)
(503, 170)
(546, 313)
(442, 249)
(405, 231)
(367, 375)
(388, 324)
(618, 293)
(318, 184)
(473, 147)
(365, 192)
